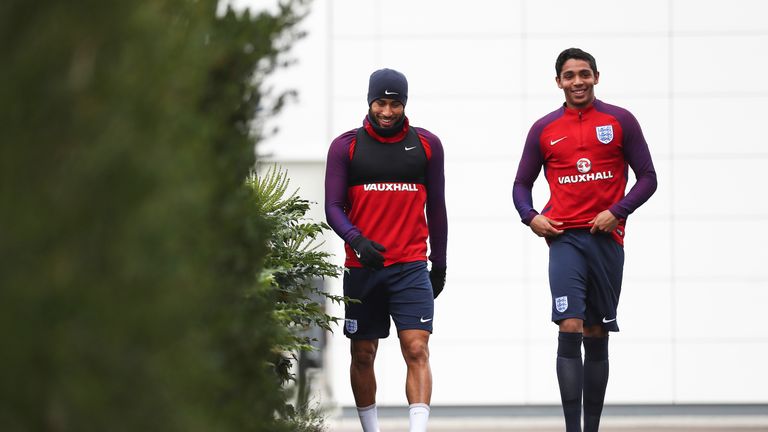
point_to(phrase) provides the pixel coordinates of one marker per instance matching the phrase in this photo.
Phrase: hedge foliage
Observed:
(294, 267)
(127, 239)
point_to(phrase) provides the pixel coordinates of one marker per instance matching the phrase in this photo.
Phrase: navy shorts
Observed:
(402, 291)
(585, 272)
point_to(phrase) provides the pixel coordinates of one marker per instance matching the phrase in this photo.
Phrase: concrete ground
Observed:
(661, 418)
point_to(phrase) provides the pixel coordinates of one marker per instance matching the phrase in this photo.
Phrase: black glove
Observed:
(437, 277)
(368, 252)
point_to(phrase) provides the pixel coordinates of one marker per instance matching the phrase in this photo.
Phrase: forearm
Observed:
(638, 156)
(437, 219)
(522, 196)
(637, 196)
(528, 169)
(340, 223)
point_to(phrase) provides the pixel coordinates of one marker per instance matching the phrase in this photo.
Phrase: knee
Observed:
(363, 357)
(416, 352)
(596, 348)
(597, 331)
(571, 325)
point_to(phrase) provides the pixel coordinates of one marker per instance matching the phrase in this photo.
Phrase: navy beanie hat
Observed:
(387, 84)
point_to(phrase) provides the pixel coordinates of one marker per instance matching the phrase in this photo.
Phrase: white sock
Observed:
(369, 418)
(418, 414)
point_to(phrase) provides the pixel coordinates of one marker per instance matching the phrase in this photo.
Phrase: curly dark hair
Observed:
(574, 53)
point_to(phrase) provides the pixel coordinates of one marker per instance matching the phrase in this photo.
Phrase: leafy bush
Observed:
(127, 239)
(293, 264)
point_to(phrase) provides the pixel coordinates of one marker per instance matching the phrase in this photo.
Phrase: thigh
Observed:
(368, 316)
(411, 302)
(568, 274)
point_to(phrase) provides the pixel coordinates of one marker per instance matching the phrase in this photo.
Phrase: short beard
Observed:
(373, 118)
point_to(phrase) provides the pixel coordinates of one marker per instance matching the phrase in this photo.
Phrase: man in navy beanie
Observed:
(379, 180)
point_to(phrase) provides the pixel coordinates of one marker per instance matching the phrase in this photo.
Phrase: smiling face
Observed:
(578, 83)
(387, 112)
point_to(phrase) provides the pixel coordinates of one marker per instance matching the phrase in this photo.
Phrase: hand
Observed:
(437, 278)
(605, 222)
(543, 226)
(368, 252)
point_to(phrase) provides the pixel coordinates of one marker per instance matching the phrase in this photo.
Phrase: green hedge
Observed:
(127, 238)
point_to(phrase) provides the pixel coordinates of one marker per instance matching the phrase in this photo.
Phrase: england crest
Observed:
(561, 304)
(350, 325)
(604, 133)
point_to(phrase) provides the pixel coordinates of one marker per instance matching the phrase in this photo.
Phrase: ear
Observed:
(597, 77)
(557, 79)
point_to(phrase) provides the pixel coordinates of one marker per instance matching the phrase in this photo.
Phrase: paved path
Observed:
(552, 425)
(647, 418)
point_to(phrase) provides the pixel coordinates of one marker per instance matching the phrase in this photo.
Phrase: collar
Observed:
(389, 135)
(580, 111)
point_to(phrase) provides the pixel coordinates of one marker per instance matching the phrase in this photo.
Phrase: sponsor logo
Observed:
(606, 321)
(350, 325)
(387, 92)
(422, 319)
(561, 304)
(584, 165)
(604, 133)
(580, 178)
(553, 142)
(410, 148)
(394, 187)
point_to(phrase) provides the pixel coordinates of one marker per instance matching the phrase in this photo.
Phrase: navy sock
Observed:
(570, 376)
(595, 380)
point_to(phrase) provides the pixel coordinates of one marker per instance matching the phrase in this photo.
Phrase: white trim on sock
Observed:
(369, 418)
(418, 414)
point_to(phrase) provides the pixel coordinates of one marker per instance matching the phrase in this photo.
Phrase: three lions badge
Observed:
(604, 133)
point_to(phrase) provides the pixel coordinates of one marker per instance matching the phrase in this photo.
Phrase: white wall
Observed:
(695, 289)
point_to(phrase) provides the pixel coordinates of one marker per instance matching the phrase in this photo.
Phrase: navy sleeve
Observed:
(638, 157)
(336, 170)
(527, 171)
(437, 215)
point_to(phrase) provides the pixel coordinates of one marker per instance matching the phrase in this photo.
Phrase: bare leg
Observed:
(415, 349)
(361, 371)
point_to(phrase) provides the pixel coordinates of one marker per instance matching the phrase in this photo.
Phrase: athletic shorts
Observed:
(402, 291)
(585, 272)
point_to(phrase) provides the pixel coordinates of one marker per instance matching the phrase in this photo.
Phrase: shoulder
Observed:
(432, 144)
(539, 125)
(627, 122)
(546, 120)
(621, 114)
(428, 136)
(342, 145)
(344, 139)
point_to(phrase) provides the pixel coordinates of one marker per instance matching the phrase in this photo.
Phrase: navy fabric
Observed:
(569, 345)
(596, 348)
(585, 274)
(402, 291)
(596, 369)
(570, 378)
(387, 84)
